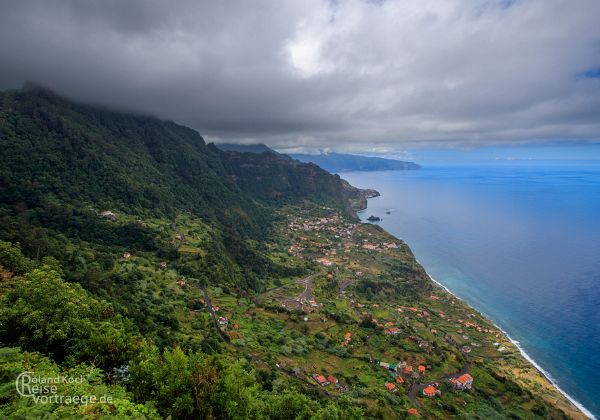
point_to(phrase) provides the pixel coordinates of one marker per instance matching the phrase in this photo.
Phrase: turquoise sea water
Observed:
(520, 243)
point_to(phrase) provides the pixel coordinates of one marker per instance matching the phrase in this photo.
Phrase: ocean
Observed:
(518, 241)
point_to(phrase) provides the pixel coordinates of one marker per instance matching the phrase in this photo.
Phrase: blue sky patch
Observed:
(590, 74)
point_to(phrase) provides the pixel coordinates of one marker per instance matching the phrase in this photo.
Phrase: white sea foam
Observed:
(526, 356)
(517, 344)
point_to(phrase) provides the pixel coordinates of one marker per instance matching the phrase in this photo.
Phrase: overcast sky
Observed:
(361, 76)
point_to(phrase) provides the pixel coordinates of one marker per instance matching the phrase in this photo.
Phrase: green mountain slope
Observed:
(141, 165)
(188, 282)
(64, 163)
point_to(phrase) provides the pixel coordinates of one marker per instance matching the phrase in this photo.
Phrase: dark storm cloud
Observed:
(352, 75)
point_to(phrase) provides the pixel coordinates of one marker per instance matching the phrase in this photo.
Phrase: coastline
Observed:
(517, 344)
(579, 406)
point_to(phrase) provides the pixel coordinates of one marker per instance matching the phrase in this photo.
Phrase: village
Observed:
(362, 321)
(399, 340)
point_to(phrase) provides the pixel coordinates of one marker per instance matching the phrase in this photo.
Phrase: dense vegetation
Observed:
(116, 230)
(41, 313)
(63, 164)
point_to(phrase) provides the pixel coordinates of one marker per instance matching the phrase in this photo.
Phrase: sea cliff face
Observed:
(357, 197)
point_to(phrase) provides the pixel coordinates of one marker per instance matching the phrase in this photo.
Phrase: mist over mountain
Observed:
(63, 162)
(190, 282)
(340, 162)
(245, 148)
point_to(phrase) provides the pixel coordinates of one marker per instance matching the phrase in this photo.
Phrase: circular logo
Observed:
(23, 384)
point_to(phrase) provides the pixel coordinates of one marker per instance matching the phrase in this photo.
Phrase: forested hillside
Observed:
(80, 187)
(188, 282)
(64, 163)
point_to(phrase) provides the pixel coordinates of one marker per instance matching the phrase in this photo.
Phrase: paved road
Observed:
(253, 357)
(343, 284)
(258, 298)
(211, 311)
(307, 284)
(305, 296)
(412, 394)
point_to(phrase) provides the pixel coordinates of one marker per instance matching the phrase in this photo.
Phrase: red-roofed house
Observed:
(390, 386)
(347, 339)
(392, 331)
(421, 369)
(332, 379)
(413, 412)
(399, 380)
(463, 381)
(321, 380)
(431, 391)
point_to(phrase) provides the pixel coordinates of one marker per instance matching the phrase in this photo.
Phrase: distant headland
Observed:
(331, 162)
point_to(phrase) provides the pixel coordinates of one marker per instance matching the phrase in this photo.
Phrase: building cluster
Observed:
(461, 382)
(333, 238)
(324, 381)
(379, 247)
(333, 224)
(403, 370)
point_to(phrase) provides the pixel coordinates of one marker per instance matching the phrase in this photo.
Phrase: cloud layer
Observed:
(368, 76)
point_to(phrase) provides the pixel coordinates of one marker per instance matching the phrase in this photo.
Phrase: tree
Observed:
(205, 376)
(13, 362)
(237, 394)
(172, 379)
(13, 260)
(46, 314)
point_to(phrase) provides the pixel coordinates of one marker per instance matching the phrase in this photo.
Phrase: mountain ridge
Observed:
(331, 162)
(341, 162)
(247, 148)
(64, 162)
(189, 282)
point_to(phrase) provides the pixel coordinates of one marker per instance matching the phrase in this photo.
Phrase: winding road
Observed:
(253, 357)
(304, 297)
